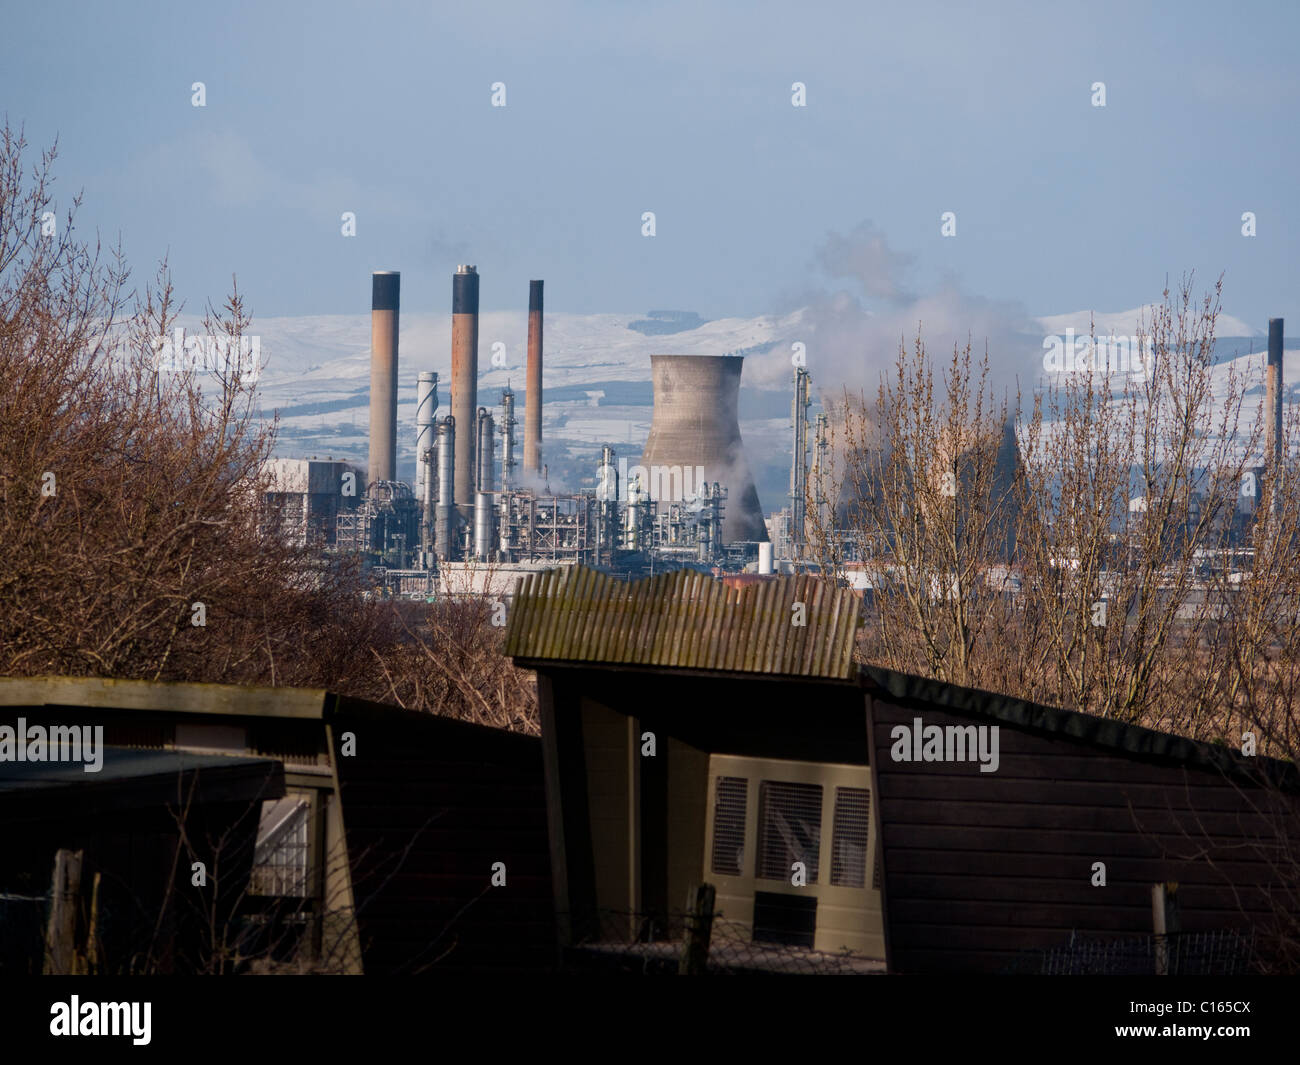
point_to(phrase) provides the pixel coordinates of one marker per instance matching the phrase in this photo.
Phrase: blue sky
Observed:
(684, 109)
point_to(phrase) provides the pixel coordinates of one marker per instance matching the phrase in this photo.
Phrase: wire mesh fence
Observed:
(1217, 953)
(657, 943)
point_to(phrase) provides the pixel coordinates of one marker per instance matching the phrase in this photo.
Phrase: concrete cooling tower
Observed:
(695, 425)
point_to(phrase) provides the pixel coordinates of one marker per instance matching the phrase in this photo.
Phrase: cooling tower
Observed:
(386, 286)
(464, 381)
(533, 383)
(696, 426)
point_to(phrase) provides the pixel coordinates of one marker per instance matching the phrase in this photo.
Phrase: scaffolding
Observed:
(548, 527)
(385, 527)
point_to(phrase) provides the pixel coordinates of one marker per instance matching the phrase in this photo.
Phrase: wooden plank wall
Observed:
(429, 805)
(981, 867)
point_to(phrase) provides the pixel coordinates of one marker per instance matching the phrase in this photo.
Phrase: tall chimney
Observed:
(533, 382)
(385, 289)
(1273, 402)
(464, 381)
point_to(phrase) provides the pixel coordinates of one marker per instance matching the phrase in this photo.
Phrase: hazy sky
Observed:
(683, 109)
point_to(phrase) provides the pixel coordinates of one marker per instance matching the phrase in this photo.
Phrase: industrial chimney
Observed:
(464, 381)
(1273, 385)
(695, 437)
(533, 383)
(385, 290)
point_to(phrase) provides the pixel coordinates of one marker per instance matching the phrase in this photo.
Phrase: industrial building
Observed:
(306, 497)
(690, 503)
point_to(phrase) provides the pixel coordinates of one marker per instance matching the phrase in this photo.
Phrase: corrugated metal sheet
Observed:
(685, 620)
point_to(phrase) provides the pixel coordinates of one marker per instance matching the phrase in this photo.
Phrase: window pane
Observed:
(789, 829)
(729, 826)
(849, 837)
(280, 860)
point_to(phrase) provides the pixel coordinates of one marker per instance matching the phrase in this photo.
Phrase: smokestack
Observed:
(695, 437)
(446, 486)
(1273, 395)
(385, 290)
(426, 405)
(464, 380)
(1273, 413)
(533, 383)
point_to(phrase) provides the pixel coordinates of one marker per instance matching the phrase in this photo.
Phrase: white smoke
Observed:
(855, 336)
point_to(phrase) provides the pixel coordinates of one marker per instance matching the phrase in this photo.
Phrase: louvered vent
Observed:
(729, 826)
(789, 829)
(849, 837)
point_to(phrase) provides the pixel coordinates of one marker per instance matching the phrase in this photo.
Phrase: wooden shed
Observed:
(694, 732)
(339, 835)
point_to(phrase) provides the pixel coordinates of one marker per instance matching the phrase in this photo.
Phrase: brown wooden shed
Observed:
(694, 733)
(358, 837)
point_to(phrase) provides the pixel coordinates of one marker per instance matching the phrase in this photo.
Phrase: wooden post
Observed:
(699, 929)
(61, 932)
(89, 964)
(1165, 920)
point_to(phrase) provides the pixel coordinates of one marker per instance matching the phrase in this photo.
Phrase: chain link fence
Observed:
(1218, 953)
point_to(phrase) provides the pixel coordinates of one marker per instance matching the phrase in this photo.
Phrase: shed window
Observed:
(849, 837)
(789, 829)
(729, 826)
(280, 863)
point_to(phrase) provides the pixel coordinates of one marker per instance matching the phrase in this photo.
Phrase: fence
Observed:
(1219, 953)
(700, 940)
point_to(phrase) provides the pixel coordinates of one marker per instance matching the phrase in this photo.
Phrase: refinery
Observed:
(477, 517)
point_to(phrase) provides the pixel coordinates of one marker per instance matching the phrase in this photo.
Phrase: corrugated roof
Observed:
(685, 620)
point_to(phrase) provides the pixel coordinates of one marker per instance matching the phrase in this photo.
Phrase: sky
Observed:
(684, 110)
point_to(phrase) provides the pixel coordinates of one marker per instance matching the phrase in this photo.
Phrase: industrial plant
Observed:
(474, 521)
